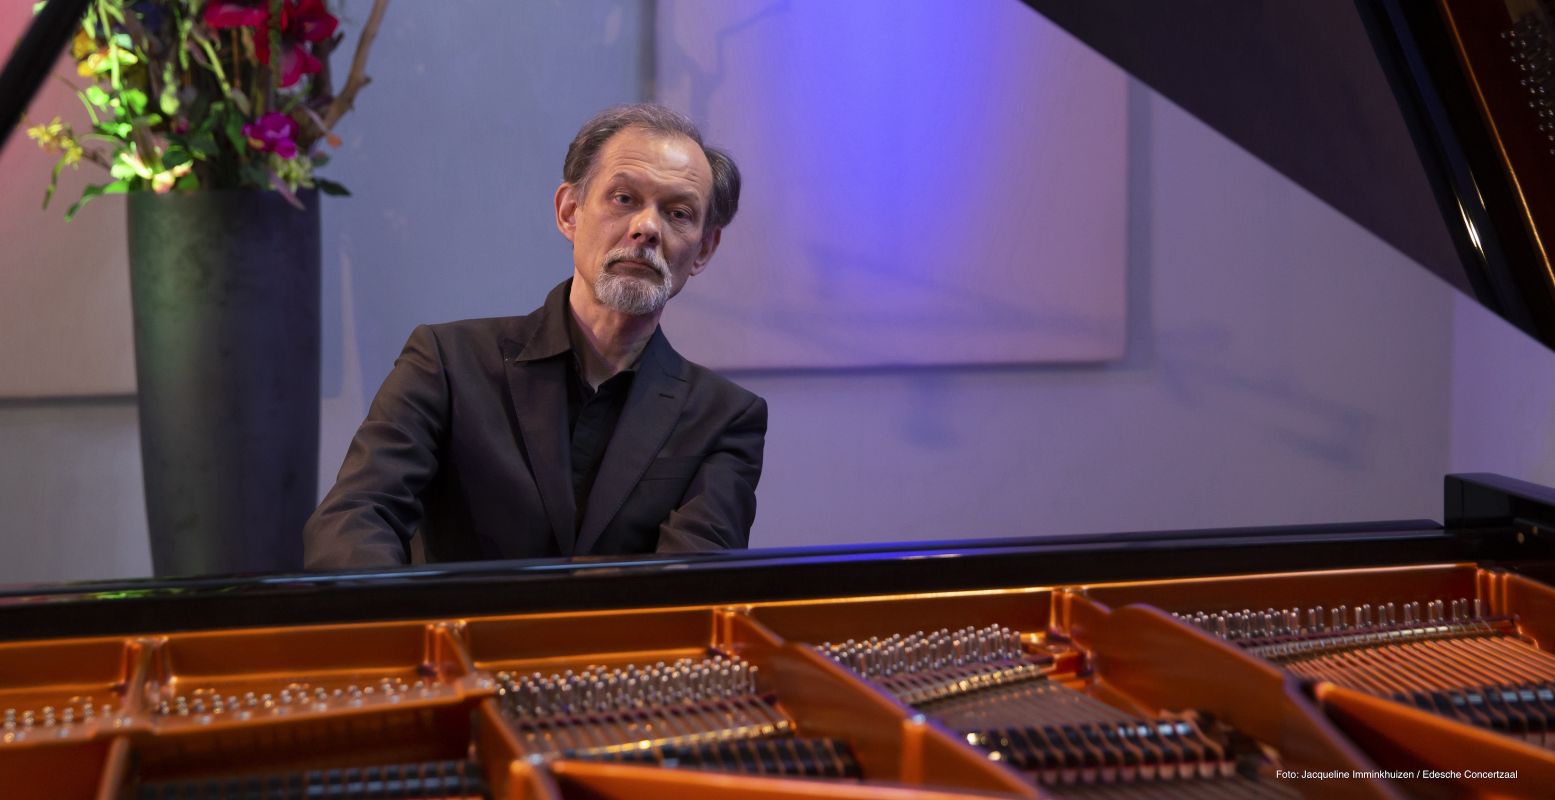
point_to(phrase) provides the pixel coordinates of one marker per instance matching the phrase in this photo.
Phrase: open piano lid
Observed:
(1332, 93)
(1429, 122)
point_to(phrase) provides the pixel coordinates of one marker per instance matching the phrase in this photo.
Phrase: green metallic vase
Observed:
(225, 293)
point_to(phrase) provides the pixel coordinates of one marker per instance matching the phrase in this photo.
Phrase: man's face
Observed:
(638, 230)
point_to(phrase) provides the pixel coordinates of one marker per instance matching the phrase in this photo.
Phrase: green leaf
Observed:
(117, 187)
(187, 183)
(53, 182)
(117, 59)
(86, 104)
(136, 100)
(38, 6)
(320, 160)
(203, 145)
(331, 188)
(209, 118)
(175, 157)
(121, 170)
(168, 102)
(97, 97)
(254, 175)
(233, 128)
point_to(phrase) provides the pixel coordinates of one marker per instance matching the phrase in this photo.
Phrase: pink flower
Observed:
(302, 21)
(273, 133)
(221, 14)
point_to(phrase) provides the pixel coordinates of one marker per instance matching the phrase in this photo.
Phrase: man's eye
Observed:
(621, 198)
(681, 214)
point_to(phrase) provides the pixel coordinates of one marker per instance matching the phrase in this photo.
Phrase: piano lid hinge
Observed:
(1529, 530)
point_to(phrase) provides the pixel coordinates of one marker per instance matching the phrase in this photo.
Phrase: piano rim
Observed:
(1492, 521)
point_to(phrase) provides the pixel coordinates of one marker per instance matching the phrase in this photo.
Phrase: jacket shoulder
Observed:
(482, 326)
(484, 332)
(724, 391)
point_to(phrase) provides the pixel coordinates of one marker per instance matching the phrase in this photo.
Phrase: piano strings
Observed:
(209, 703)
(982, 683)
(700, 713)
(1450, 659)
(433, 780)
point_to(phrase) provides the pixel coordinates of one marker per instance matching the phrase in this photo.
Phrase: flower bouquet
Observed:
(213, 94)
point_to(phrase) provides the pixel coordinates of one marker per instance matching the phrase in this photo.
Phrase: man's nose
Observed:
(645, 228)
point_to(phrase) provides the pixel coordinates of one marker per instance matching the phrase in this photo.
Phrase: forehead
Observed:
(665, 158)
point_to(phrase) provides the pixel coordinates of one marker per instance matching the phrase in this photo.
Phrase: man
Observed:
(576, 429)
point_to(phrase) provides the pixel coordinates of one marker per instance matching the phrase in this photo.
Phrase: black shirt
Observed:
(591, 418)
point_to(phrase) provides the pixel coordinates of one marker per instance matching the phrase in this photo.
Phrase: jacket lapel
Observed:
(540, 401)
(537, 382)
(657, 395)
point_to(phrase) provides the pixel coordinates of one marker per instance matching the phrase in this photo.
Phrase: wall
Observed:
(893, 218)
(1281, 366)
(1503, 419)
(443, 150)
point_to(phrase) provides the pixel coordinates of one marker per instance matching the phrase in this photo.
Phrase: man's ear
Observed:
(705, 250)
(567, 210)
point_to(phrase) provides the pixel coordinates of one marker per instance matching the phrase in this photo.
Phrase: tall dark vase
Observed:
(225, 293)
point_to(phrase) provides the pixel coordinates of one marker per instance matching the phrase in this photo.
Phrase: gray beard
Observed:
(630, 294)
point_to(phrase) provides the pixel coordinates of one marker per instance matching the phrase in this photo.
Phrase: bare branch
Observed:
(357, 77)
(322, 87)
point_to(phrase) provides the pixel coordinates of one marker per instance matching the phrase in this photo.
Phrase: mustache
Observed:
(642, 255)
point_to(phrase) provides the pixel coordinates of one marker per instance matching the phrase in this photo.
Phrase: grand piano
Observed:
(1378, 659)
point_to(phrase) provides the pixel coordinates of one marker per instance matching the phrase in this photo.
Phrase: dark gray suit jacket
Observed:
(468, 442)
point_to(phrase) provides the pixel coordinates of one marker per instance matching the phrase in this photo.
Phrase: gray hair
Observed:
(591, 138)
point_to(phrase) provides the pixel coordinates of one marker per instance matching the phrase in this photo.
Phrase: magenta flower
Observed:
(273, 133)
(220, 14)
(302, 22)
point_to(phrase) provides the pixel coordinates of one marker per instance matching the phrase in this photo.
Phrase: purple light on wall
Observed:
(926, 184)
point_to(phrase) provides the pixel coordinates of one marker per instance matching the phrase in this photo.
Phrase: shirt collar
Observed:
(547, 337)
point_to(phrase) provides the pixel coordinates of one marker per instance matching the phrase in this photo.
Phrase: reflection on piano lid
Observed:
(1333, 92)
